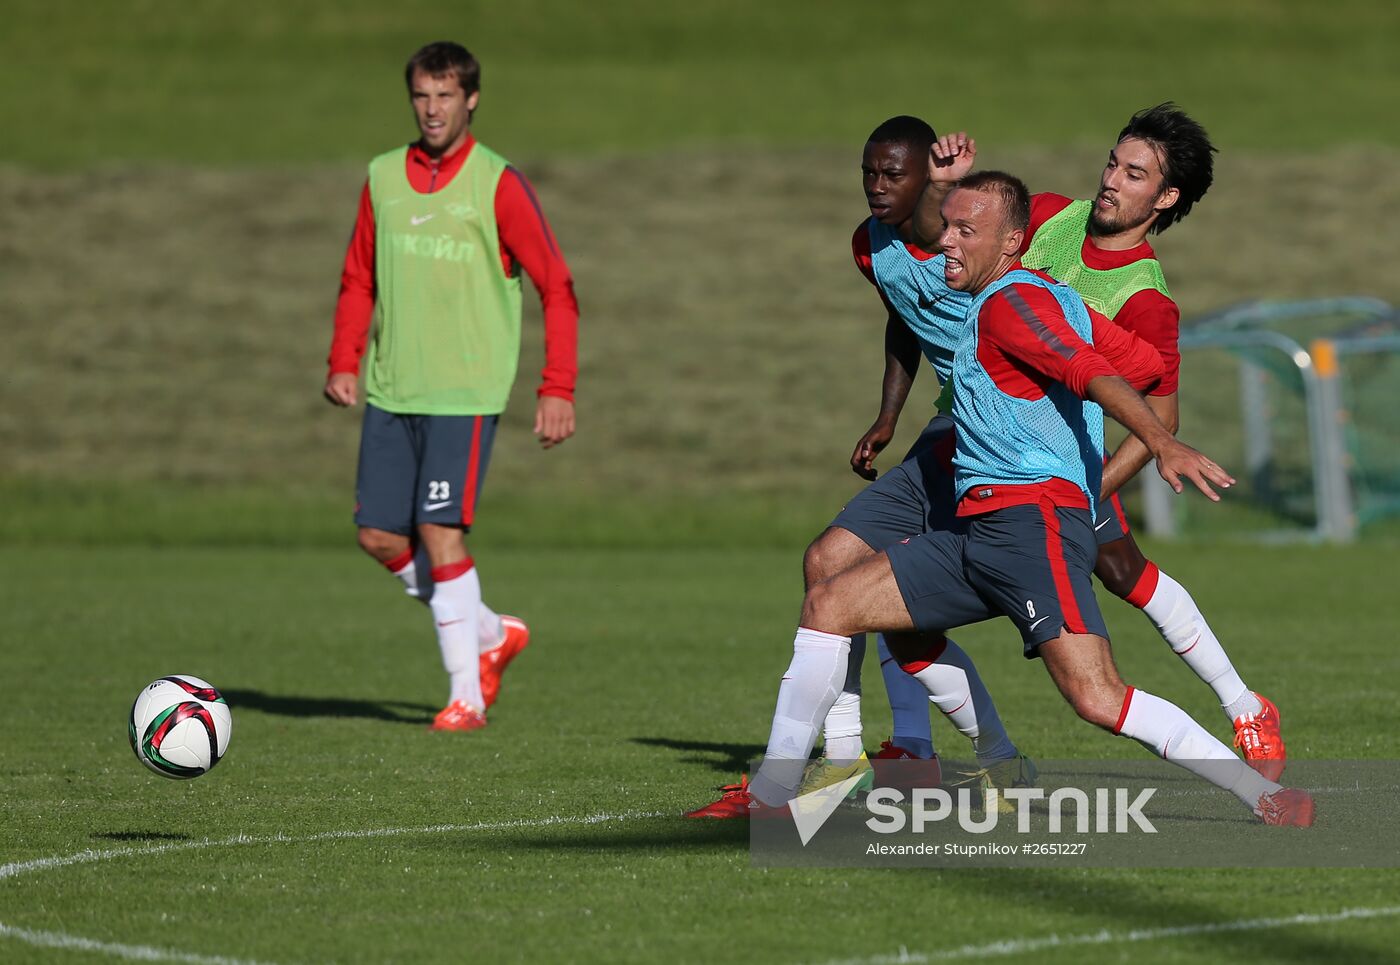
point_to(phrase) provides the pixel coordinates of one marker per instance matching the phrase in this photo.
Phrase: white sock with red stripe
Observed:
(953, 684)
(456, 600)
(403, 567)
(1171, 734)
(1179, 621)
(808, 689)
(908, 705)
(842, 729)
(490, 632)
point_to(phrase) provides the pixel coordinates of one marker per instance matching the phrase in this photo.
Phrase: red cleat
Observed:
(733, 802)
(458, 716)
(1259, 738)
(1287, 806)
(917, 772)
(495, 660)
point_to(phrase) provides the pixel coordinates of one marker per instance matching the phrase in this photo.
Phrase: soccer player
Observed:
(1157, 170)
(924, 315)
(444, 228)
(1028, 462)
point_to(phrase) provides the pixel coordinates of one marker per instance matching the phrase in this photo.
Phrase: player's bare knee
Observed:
(821, 609)
(813, 563)
(379, 543)
(824, 558)
(834, 551)
(1119, 567)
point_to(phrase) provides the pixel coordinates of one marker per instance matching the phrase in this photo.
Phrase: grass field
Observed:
(649, 681)
(175, 201)
(267, 82)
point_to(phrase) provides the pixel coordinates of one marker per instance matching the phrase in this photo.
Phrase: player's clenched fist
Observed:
(341, 389)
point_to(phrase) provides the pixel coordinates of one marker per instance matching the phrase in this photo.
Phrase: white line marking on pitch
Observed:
(50, 939)
(1022, 946)
(47, 939)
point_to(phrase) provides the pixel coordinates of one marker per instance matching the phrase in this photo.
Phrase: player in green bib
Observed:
(430, 298)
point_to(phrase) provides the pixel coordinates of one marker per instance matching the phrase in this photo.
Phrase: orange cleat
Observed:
(458, 716)
(914, 772)
(1287, 806)
(1259, 737)
(495, 660)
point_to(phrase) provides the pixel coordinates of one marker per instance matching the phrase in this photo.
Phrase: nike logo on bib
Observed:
(416, 220)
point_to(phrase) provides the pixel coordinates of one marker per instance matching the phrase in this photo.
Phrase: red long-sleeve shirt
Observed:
(1148, 314)
(526, 241)
(1025, 344)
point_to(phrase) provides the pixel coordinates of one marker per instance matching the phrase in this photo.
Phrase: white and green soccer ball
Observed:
(180, 726)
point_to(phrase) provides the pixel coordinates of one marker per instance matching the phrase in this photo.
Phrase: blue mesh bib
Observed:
(1003, 440)
(935, 313)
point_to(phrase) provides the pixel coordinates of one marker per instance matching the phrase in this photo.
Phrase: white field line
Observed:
(1023, 946)
(47, 939)
(17, 868)
(997, 949)
(144, 953)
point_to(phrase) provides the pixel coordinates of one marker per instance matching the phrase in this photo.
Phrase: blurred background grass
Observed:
(180, 183)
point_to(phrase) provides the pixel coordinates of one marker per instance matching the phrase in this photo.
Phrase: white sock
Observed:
(490, 632)
(808, 689)
(456, 599)
(406, 570)
(1179, 621)
(842, 730)
(1170, 733)
(955, 688)
(908, 705)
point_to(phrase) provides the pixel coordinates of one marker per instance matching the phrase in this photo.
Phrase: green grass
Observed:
(266, 82)
(649, 680)
(177, 193)
(728, 345)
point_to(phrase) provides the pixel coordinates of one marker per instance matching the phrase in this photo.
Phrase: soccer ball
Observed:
(180, 726)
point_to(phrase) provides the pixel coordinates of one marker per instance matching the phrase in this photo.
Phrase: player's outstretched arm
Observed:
(1174, 459)
(1129, 458)
(901, 367)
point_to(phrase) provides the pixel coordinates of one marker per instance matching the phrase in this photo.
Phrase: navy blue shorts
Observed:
(421, 469)
(1110, 522)
(914, 497)
(1030, 563)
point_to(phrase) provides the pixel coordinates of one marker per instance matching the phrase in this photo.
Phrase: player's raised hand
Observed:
(1176, 459)
(871, 445)
(341, 389)
(951, 157)
(554, 420)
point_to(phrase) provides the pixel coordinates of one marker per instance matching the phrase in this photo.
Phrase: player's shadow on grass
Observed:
(394, 711)
(669, 834)
(733, 758)
(140, 836)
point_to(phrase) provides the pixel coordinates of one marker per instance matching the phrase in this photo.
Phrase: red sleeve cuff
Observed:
(1085, 366)
(556, 392)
